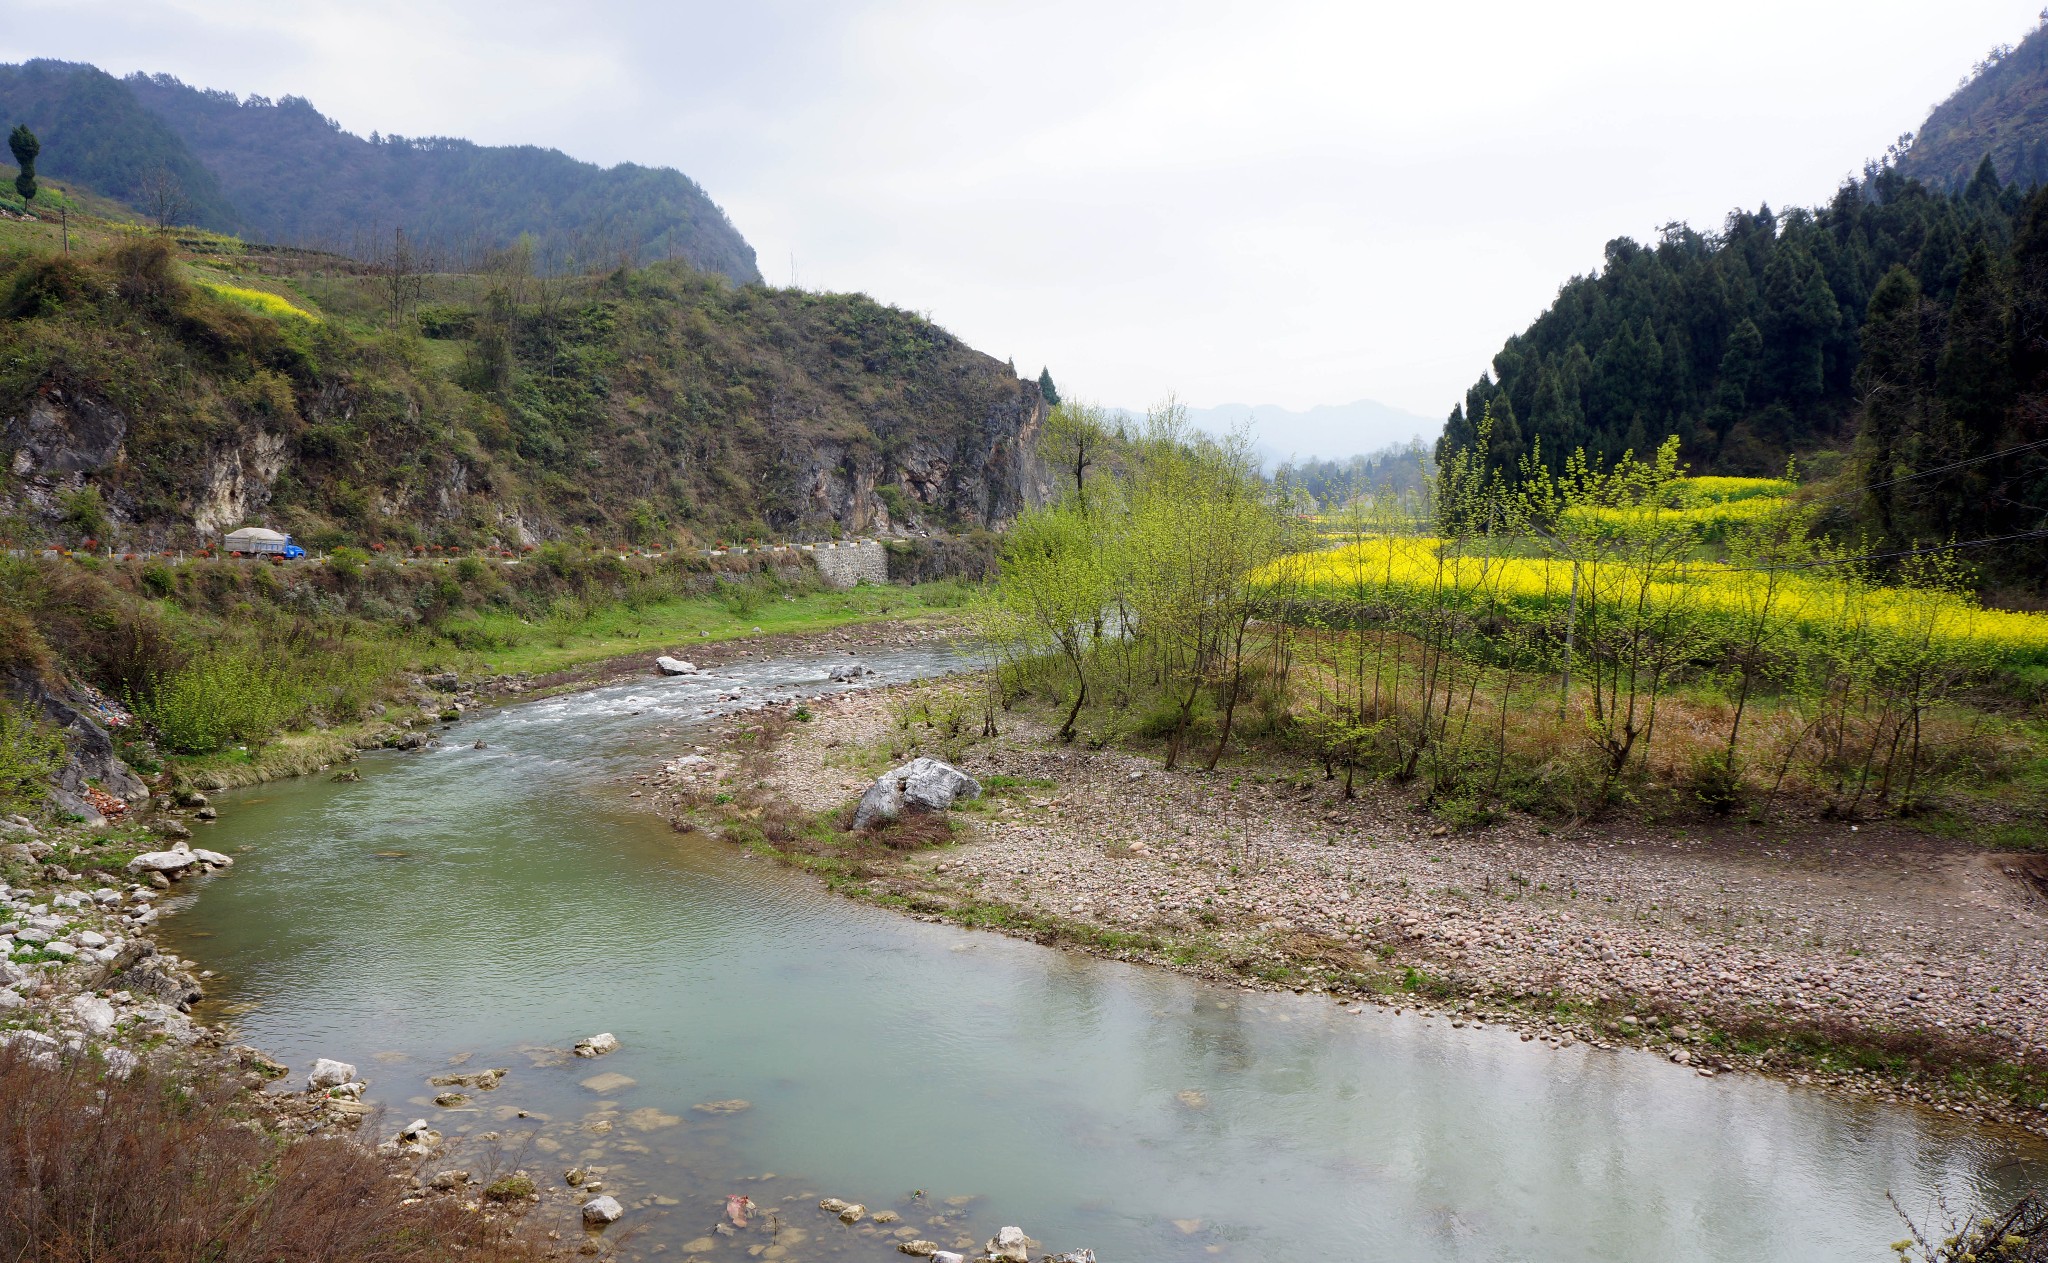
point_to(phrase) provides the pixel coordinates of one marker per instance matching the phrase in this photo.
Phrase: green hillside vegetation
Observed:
(280, 171)
(1744, 343)
(96, 134)
(2000, 111)
(658, 406)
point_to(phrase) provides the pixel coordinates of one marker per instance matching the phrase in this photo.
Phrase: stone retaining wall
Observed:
(848, 562)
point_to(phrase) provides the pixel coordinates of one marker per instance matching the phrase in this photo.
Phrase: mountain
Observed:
(1325, 432)
(158, 398)
(2000, 112)
(1743, 343)
(281, 172)
(95, 133)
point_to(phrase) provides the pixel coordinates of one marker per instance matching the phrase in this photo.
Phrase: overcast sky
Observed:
(1271, 202)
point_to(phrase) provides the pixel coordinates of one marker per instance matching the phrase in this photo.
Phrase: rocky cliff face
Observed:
(660, 405)
(92, 765)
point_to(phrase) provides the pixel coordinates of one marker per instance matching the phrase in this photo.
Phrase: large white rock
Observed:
(94, 1014)
(923, 784)
(597, 1045)
(329, 1073)
(602, 1210)
(175, 860)
(674, 666)
(214, 858)
(848, 671)
(1010, 1245)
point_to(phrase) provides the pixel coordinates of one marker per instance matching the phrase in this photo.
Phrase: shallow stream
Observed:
(486, 907)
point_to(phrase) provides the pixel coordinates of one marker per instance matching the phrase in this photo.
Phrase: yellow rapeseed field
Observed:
(262, 300)
(1813, 602)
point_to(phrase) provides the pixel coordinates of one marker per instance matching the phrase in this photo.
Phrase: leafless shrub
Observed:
(164, 1167)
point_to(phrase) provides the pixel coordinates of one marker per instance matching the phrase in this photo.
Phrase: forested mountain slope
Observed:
(2000, 111)
(95, 133)
(1744, 344)
(280, 171)
(158, 398)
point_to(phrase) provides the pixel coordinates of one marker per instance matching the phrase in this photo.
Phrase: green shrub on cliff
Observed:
(30, 754)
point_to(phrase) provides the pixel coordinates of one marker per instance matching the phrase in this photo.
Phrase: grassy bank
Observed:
(239, 671)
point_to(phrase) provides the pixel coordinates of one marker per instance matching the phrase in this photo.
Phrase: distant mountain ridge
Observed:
(280, 171)
(1325, 431)
(2000, 111)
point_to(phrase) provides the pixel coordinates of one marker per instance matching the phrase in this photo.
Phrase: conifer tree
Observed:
(1046, 388)
(25, 147)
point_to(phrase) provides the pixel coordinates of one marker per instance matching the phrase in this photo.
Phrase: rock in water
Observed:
(597, 1045)
(1009, 1245)
(948, 1256)
(604, 1209)
(923, 784)
(1075, 1256)
(674, 666)
(848, 671)
(175, 860)
(328, 1073)
(919, 1249)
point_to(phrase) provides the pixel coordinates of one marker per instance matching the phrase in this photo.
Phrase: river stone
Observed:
(848, 671)
(853, 1214)
(920, 1249)
(94, 1014)
(923, 784)
(597, 1045)
(329, 1073)
(1010, 1245)
(609, 1081)
(175, 860)
(602, 1210)
(1075, 1256)
(948, 1256)
(674, 666)
(214, 858)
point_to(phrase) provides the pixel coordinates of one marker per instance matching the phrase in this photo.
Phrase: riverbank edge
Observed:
(59, 1007)
(311, 751)
(1951, 1076)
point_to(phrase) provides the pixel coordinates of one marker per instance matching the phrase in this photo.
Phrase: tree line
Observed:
(1561, 640)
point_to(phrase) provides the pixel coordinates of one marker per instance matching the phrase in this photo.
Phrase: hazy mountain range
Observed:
(1330, 431)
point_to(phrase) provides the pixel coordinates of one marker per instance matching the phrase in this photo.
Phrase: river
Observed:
(480, 907)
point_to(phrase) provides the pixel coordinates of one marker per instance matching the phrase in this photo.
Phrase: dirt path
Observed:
(1933, 949)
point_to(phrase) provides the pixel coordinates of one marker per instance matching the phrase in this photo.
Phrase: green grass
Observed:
(674, 625)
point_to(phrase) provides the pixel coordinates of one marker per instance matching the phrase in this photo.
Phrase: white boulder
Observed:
(674, 666)
(329, 1073)
(597, 1045)
(93, 1014)
(1010, 1245)
(214, 858)
(176, 860)
(848, 671)
(923, 784)
(603, 1209)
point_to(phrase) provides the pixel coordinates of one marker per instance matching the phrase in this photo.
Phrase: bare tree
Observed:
(163, 197)
(403, 271)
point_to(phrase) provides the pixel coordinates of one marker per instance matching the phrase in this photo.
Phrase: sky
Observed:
(1291, 202)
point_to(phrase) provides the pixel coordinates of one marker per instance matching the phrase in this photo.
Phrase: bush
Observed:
(226, 695)
(30, 754)
(162, 1168)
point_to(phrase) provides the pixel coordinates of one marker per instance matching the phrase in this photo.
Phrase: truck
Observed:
(257, 541)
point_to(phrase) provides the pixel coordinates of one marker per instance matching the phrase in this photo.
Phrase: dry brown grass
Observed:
(165, 1168)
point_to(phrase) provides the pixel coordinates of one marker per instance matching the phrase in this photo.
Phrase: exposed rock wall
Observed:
(92, 763)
